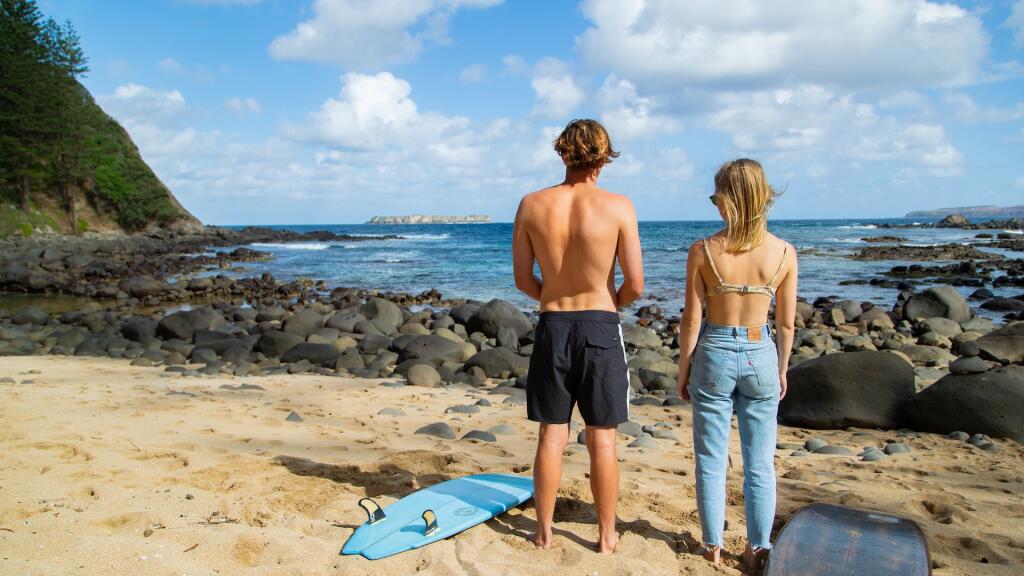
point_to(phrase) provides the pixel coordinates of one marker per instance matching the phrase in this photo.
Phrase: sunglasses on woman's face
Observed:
(714, 199)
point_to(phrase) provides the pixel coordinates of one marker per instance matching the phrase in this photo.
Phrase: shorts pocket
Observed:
(601, 344)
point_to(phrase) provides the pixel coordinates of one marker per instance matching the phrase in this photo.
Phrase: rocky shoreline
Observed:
(854, 363)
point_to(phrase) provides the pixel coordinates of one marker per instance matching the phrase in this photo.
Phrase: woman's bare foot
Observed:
(754, 557)
(607, 544)
(713, 554)
(542, 539)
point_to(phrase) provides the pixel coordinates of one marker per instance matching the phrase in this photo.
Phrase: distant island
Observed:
(423, 219)
(972, 212)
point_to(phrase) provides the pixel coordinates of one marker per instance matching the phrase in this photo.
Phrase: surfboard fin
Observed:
(376, 514)
(430, 519)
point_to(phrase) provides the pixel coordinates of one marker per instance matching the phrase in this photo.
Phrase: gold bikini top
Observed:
(726, 288)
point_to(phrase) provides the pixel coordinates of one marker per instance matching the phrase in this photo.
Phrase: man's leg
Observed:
(604, 483)
(547, 474)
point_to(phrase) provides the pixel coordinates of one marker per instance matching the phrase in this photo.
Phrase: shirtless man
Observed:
(575, 231)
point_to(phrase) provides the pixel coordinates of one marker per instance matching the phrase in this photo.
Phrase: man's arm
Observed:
(522, 258)
(631, 260)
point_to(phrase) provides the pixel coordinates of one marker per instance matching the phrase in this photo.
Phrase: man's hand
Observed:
(684, 385)
(783, 386)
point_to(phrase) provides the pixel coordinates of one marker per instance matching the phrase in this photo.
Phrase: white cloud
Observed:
(741, 43)
(473, 73)
(514, 64)
(369, 35)
(246, 105)
(904, 99)
(170, 65)
(557, 92)
(967, 110)
(1016, 23)
(134, 102)
(629, 116)
(375, 111)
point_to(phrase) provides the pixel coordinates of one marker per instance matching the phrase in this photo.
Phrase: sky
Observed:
(332, 111)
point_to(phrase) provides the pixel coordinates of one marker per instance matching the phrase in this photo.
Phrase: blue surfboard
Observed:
(435, 513)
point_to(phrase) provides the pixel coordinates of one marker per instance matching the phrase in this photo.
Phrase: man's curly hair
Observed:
(585, 144)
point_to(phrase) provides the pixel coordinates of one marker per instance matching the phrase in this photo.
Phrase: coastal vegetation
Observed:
(65, 165)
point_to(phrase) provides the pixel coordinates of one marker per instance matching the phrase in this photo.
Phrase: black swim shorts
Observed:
(578, 358)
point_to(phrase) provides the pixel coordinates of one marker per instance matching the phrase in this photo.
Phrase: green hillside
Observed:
(65, 165)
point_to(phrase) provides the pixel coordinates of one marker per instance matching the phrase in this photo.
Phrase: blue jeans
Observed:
(731, 370)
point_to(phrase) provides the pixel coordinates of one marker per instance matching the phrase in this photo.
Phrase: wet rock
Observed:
(943, 301)
(1004, 345)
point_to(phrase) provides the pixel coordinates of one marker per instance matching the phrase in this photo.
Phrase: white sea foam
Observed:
(1013, 231)
(859, 226)
(424, 236)
(291, 245)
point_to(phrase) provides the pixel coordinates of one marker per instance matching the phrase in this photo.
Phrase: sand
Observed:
(111, 469)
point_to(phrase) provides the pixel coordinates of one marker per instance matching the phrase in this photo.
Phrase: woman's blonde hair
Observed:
(743, 195)
(585, 144)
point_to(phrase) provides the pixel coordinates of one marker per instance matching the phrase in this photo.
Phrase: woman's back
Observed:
(762, 266)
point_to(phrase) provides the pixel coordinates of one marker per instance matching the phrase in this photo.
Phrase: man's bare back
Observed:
(575, 231)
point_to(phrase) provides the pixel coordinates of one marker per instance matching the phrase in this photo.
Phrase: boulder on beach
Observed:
(303, 323)
(496, 361)
(432, 347)
(1003, 345)
(274, 343)
(861, 389)
(384, 314)
(988, 403)
(319, 354)
(640, 337)
(498, 314)
(943, 301)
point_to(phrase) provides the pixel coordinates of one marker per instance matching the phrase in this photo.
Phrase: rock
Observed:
(374, 344)
(835, 451)
(438, 429)
(303, 323)
(801, 475)
(981, 294)
(144, 286)
(969, 348)
(463, 312)
(138, 328)
(977, 324)
(959, 435)
(508, 338)
(318, 354)
(640, 337)
(851, 309)
(968, 365)
(384, 314)
(1004, 345)
(274, 343)
(943, 301)
(927, 355)
(631, 429)
(497, 314)
(390, 412)
(345, 322)
(423, 375)
(432, 348)
(990, 403)
(293, 417)
(645, 401)
(495, 361)
(413, 329)
(643, 442)
(952, 221)
(835, 317)
(29, 315)
(897, 448)
(874, 456)
(979, 440)
(463, 409)
(941, 326)
(1003, 304)
(502, 430)
(814, 443)
(663, 434)
(480, 435)
(862, 389)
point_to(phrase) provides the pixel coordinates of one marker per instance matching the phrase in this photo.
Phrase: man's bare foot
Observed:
(754, 557)
(607, 544)
(542, 539)
(713, 554)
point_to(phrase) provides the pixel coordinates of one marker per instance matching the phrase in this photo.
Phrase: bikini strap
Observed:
(785, 248)
(711, 261)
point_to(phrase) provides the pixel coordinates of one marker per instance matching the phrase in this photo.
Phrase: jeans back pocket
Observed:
(762, 373)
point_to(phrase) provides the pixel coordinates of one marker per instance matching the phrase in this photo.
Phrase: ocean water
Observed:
(474, 260)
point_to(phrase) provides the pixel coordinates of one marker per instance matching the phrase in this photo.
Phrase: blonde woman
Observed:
(727, 359)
